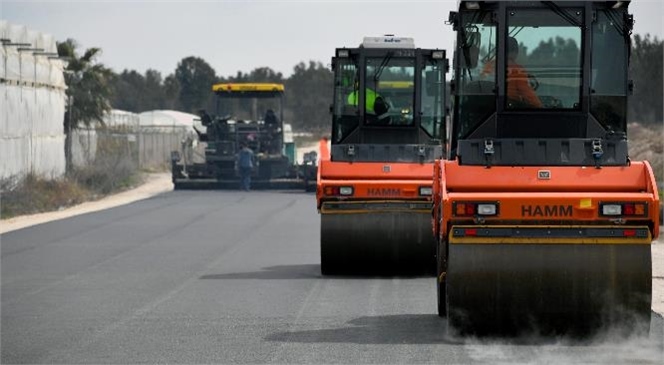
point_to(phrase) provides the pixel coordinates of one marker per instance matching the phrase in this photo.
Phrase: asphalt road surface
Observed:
(230, 277)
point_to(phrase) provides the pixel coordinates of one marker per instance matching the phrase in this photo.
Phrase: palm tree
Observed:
(88, 90)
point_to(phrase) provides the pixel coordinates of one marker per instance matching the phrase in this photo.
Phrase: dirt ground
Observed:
(159, 183)
(154, 184)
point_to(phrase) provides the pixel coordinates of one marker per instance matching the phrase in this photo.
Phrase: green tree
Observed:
(556, 51)
(265, 74)
(172, 92)
(128, 91)
(88, 90)
(195, 78)
(155, 94)
(308, 97)
(138, 93)
(645, 105)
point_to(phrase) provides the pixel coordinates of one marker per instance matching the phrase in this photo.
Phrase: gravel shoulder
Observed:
(159, 183)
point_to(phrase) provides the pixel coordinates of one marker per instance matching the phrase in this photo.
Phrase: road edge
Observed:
(155, 184)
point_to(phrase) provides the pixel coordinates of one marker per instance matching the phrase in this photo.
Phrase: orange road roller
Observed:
(543, 224)
(374, 180)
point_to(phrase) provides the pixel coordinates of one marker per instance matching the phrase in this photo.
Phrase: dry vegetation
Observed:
(113, 170)
(647, 143)
(35, 194)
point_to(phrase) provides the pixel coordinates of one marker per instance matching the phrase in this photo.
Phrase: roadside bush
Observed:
(647, 143)
(33, 194)
(113, 169)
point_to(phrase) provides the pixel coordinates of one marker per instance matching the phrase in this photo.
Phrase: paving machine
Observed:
(374, 179)
(543, 223)
(250, 113)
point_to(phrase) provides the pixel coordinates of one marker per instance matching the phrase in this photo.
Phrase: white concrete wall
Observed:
(32, 105)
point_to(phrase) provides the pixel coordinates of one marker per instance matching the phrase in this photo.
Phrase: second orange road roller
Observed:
(374, 181)
(543, 223)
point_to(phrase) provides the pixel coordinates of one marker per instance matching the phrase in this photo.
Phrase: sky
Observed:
(237, 36)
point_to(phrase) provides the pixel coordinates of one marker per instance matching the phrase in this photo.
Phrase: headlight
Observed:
(611, 209)
(626, 209)
(345, 190)
(472, 5)
(338, 190)
(486, 209)
(469, 209)
(426, 190)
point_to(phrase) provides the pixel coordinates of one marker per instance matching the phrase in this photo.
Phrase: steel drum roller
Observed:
(548, 288)
(377, 242)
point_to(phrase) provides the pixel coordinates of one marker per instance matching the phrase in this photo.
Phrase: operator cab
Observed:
(388, 93)
(251, 113)
(546, 86)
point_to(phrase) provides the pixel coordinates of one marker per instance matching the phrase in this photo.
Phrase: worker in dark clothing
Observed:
(272, 126)
(245, 164)
(271, 120)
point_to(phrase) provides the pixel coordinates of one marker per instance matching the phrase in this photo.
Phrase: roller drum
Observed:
(563, 289)
(377, 243)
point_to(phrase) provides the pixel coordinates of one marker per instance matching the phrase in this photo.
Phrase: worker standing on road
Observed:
(245, 163)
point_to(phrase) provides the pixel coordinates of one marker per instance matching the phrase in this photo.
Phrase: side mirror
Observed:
(453, 19)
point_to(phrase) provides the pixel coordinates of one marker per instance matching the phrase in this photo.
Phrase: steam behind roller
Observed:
(374, 181)
(543, 222)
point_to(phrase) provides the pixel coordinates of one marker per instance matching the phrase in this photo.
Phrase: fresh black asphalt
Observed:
(234, 277)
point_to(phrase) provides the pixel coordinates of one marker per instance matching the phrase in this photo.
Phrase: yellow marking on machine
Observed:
(234, 87)
(395, 84)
